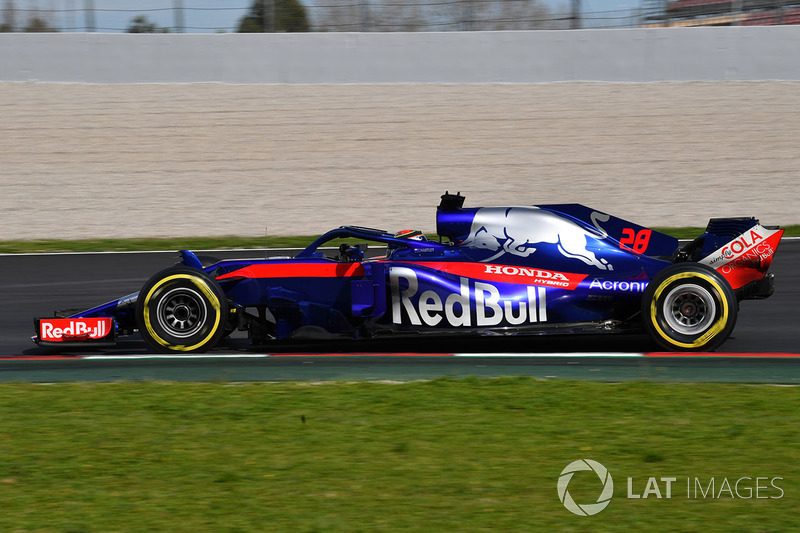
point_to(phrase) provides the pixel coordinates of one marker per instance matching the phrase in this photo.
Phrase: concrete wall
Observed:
(633, 55)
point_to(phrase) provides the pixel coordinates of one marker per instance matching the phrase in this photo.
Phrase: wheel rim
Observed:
(181, 312)
(689, 309)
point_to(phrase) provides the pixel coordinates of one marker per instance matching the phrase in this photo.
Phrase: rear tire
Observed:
(689, 306)
(181, 310)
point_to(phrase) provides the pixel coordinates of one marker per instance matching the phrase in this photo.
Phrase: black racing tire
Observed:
(689, 307)
(181, 310)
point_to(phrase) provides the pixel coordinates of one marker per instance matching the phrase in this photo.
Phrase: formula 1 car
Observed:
(516, 270)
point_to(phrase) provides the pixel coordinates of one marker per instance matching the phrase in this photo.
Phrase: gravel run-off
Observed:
(151, 160)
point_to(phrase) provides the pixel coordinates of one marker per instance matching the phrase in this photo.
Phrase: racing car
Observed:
(515, 270)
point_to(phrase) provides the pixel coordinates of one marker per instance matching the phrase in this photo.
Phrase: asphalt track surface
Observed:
(765, 346)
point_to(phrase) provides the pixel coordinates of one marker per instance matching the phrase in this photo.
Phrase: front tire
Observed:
(181, 310)
(689, 306)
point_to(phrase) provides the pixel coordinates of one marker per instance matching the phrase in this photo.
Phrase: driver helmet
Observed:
(411, 234)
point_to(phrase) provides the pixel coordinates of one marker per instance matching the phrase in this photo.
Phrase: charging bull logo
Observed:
(517, 231)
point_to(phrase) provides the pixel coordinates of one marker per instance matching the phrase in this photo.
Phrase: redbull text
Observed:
(64, 329)
(476, 303)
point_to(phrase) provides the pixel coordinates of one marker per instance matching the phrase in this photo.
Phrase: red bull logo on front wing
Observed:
(74, 329)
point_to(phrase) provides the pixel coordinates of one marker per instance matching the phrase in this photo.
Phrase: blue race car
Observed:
(514, 270)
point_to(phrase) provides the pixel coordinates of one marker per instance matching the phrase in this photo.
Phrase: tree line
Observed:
(360, 15)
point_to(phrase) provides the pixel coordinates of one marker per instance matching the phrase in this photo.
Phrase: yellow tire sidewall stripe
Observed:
(712, 332)
(204, 288)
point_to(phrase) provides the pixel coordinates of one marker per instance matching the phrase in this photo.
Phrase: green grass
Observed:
(168, 244)
(438, 456)
(691, 233)
(223, 243)
(134, 245)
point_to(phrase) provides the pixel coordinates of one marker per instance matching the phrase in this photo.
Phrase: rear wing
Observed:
(740, 249)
